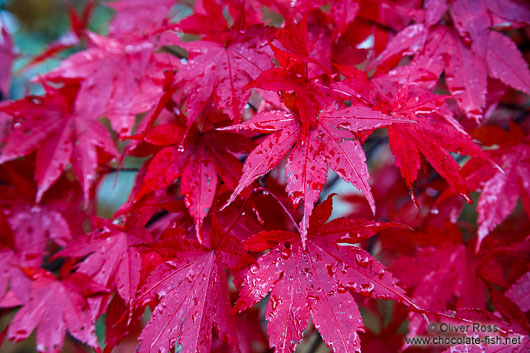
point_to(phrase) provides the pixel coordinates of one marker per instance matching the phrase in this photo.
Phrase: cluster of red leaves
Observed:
(240, 110)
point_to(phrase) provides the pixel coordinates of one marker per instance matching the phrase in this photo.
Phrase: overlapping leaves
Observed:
(250, 104)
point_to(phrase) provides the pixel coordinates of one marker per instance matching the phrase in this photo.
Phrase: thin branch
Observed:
(268, 192)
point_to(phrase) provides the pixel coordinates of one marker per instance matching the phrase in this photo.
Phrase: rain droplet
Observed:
(366, 289)
(274, 302)
(161, 294)
(361, 260)
(331, 270)
(312, 297)
(21, 333)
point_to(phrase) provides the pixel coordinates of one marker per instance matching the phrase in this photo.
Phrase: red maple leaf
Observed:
(137, 17)
(121, 77)
(327, 141)
(442, 274)
(55, 306)
(500, 187)
(467, 50)
(319, 131)
(191, 290)
(113, 260)
(220, 66)
(518, 292)
(60, 129)
(317, 280)
(433, 135)
(28, 229)
(197, 155)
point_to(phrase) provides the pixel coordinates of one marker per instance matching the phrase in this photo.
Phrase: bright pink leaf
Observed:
(60, 129)
(192, 294)
(506, 63)
(518, 292)
(55, 306)
(316, 281)
(224, 70)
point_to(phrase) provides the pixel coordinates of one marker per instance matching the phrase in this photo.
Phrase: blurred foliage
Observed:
(35, 24)
(45, 19)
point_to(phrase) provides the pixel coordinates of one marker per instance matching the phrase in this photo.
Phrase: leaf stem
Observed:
(240, 213)
(268, 192)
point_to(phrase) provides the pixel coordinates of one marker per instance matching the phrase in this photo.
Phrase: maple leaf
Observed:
(197, 156)
(30, 228)
(7, 56)
(121, 77)
(319, 78)
(438, 275)
(433, 135)
(500, 188)
(60, 129)
(517, 292)
(191, 289)
(468, 51)
(119, 323)
(223, 69)
(317, 280)
(323, 145)
(55, 306)
(113, 261)
(134, 17)
(321, 129)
